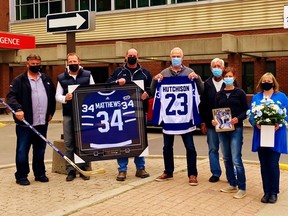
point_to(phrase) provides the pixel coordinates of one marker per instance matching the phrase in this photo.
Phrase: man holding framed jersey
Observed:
(130, 72)
(176, 109)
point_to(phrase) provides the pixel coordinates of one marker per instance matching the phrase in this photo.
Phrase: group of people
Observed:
(33, 95)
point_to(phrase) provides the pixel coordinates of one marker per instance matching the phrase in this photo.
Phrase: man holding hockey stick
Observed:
(31, 95)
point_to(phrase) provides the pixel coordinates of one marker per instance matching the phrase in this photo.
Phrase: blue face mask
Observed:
(176, 62)
(228, 81)
(217, 72)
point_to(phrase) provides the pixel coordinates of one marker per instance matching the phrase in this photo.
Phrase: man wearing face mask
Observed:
(177, 69)
(130, 72)
(32, 96)
(211, 86)
(74, 74)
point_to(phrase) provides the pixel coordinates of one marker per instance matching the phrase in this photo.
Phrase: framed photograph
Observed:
(109, 121)
(223, 117)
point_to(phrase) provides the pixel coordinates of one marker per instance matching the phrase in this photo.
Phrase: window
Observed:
(158, 2)
(141, 3)
(122, 4)
(248, 77)
(183, 1)
(202, 69)
(125, 4)
(33, 9)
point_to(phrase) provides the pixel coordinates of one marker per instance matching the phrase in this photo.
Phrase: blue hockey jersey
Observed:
(176, 105)
(108, 120)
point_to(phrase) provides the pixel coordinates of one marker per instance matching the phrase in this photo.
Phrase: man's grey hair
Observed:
(177, 48)
(215, 60)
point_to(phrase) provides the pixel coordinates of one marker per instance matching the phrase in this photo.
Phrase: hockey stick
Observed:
(85, 173)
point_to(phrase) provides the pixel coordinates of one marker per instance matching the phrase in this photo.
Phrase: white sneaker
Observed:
(240, 194)
(229, 189)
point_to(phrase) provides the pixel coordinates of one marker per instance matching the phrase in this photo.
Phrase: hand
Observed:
(214, 123)
(68, 96)
(144, 96)
(193, 75)
(49, 118)
(203, 128)
(19, 115)
(276, 127)
(121, 81)
(234, 121)
(158, 77)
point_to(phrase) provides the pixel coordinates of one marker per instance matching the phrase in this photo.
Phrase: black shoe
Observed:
(23, 182)
(273, 198)
(265, 198)
(84, 177)
(71, 175)
(214, 178)
(43, 178)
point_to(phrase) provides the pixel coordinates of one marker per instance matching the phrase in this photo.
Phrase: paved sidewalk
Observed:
(103, 195)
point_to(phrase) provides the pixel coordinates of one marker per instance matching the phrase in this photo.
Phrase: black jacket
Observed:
(131, 74)
(138, 74)
(19, 97)
(236, 101)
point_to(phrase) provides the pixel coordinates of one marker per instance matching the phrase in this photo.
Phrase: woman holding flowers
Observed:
(231, 141)
(268, 107)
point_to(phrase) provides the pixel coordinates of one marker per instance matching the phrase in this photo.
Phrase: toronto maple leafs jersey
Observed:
(176, 105)
(108, 120)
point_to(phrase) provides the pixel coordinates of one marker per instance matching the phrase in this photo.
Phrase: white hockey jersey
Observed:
(176, 105)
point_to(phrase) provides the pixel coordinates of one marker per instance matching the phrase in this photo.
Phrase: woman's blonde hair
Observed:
(269, 74)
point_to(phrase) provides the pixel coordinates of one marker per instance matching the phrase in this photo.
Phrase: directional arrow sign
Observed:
(68, 21)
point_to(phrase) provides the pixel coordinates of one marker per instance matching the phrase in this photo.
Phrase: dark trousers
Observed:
(25, 138)
(270, 173)
(191, 154)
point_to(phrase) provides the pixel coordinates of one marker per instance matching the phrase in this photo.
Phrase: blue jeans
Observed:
(213, 146)
(191, 155)
(231, 144)
(25, 138)
(123, 162)
(270, 173)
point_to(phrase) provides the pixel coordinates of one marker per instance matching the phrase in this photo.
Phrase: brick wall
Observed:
(4, 16)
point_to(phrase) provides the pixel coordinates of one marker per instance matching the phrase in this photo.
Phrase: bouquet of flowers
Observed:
(267, 113)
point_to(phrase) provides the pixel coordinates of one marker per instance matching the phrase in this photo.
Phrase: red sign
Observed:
(16, 41)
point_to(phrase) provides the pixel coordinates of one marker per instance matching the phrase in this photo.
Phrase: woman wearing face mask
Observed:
(231, 141)
(269, 156)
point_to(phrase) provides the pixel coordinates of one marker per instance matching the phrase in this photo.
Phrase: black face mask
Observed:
(132, 60)
(73, 67)
(266, 86)
(34, 68)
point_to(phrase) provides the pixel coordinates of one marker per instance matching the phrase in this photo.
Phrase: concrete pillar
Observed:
(58, 162)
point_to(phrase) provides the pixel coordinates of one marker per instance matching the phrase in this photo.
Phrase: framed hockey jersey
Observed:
(109, 121)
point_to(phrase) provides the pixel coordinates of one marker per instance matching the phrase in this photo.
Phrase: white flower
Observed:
(267, 112)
